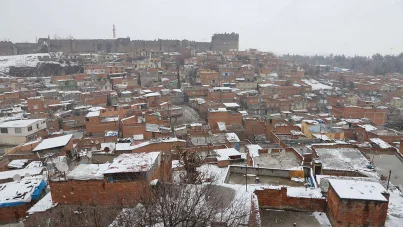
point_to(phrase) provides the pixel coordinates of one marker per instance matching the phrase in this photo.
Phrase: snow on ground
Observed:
(321, 218)
(42, 205)
(316, 85)
(301, 192)
(395, 210)
(213, 172)
(26, 60)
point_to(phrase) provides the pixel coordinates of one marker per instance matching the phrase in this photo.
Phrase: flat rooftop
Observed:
(347, 159)
(288, 218)
(361, 190)
(277, 160)
(384, 162)
(239, 178)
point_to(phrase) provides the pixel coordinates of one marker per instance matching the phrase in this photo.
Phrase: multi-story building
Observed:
(21, 131)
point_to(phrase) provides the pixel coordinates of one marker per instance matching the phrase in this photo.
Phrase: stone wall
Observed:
(6, 48)
(120, 45)
(225, 42)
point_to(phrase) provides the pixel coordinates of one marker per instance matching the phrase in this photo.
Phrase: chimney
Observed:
(114, 32)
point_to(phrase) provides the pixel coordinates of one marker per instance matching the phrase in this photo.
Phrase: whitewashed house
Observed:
(21, 131)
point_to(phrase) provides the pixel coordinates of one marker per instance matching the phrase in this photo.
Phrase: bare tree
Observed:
(189, 161)
(187, 205)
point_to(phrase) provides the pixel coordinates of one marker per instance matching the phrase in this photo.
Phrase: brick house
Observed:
(56, 146)
(223, 115)
(377, 116)
(124, 181)
(12, 207)
(357, 203)
(208, 77)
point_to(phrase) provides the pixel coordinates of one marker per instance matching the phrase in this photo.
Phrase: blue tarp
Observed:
(35, 195)
(38, 190)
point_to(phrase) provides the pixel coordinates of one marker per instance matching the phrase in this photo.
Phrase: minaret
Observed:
(114, 32)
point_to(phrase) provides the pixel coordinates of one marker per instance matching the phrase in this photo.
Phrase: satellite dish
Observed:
(92, 141)
(96, 142)
(89, 154)
(75, 150)
(62, 167)
(16, 177)
(27, 175)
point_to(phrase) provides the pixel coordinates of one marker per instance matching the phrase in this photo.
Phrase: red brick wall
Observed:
(253, 127)
(219, 96)
(278, 199)
(254, 217)
(377, 116)
(9, 214)
(93, 125)
(96, 192)
(229, 119)
(355, 212)
(134, 129)
(101, 192)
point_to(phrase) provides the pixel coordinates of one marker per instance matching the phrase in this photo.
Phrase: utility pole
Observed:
(387, 186)
(246, 176)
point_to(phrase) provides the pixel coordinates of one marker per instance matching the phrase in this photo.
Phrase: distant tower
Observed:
(114, 32)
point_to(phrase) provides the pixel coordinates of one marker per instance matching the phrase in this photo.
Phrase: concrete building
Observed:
(21, 131)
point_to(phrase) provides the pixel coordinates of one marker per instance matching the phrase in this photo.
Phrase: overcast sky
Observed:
(351, 27)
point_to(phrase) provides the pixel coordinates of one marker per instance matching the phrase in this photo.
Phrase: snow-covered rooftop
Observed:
(19, 123)
(382, 144)
(34, 164)
(22, 191)
(368, 127)
(42, 205)
(231, 104)
(362, 190)
(268, 85)
(349, 159)
(17, 163)
(134, 162)
(152, 94)
(111, 146)
(253, 149)
(232, 137)
(316, 85)
(88, 172)
(11, 173)
(303, 192)
(55, 142)
(93, 114)
(227, 153)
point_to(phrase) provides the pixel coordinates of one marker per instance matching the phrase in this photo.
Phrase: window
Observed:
(35, 107)
(4, 130)
(29, 128)
(18, 130)
(45, 105)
